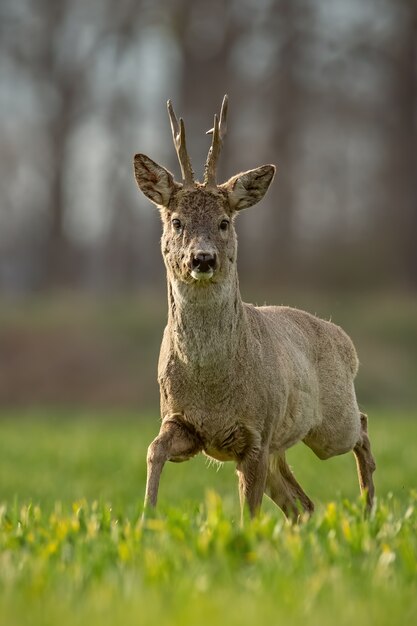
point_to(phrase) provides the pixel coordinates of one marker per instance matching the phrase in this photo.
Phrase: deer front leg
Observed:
(252, 472)
(174, 443)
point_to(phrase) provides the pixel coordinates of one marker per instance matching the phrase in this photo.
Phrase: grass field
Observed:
(73, 551)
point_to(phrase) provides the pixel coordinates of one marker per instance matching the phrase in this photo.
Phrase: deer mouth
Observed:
(202, 275)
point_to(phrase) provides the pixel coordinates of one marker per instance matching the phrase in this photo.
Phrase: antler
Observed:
(178, 135)
(219, 132)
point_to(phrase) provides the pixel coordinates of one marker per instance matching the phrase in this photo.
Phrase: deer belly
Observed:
(220, 454)
(230, 445)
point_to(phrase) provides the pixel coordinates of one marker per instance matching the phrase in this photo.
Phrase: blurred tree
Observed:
(392, 53)
(57, 50)
(405, 148)
(326, 90)
(288, 95)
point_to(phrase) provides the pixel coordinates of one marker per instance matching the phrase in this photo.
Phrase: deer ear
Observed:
(153, 180)
(248, 188)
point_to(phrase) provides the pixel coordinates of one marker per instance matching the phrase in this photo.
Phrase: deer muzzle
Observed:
(203, 265)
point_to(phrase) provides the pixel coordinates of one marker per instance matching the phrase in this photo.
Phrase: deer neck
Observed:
(205, 323)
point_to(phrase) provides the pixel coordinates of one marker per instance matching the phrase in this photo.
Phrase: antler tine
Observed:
(178, 135)
(219, 131)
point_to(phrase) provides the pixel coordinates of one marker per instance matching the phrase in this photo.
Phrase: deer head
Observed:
(199, 240)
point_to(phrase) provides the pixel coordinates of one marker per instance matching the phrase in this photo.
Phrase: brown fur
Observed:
(238, 382)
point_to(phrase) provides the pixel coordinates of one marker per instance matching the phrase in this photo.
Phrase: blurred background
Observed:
(326, 90)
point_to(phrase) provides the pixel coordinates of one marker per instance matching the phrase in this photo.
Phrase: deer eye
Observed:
(177, 225)
(224, 225)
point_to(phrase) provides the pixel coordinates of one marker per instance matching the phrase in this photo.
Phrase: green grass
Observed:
(73, 549)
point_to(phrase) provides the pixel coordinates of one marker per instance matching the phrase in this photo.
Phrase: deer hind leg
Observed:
(252, 472)
(174, 443)
(365, 463)
(285, 491)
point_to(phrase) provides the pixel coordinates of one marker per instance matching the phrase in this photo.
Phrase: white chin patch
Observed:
(201, 275)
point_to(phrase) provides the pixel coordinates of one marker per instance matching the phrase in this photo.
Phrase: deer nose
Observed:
(203, 261)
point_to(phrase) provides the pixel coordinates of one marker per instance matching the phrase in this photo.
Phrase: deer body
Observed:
(238, 382)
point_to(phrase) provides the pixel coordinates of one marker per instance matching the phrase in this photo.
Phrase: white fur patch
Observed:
(201, 275)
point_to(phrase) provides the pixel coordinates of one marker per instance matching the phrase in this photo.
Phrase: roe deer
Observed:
(238, 382)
